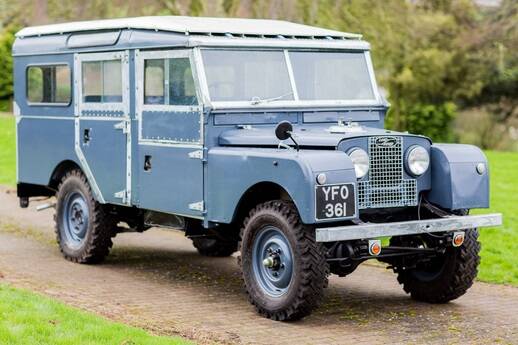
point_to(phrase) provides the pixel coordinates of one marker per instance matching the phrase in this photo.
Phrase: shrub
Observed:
(431, 120)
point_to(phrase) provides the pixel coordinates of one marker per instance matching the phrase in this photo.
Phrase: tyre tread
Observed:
(314, 270)
(453, 285)
(99, 242)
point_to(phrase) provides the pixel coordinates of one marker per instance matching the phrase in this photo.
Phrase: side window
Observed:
(169, 81)
(154, 81)
(49, 84)
(102, 81)
(181, 82)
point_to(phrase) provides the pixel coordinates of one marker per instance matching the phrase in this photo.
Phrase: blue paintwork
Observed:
(76, 217)
(42, 145)
(175, 126)
(234, 159)
(245, 118)
(106, 156)
(455, 181)
(233, 170)
(174, 182)
(314, 136)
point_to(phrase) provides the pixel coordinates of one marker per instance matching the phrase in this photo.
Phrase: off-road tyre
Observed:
(97, 241)
(458, 273)
(214, 247)
(310, 269)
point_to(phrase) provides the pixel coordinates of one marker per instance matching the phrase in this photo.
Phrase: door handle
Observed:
(147, 163)
(87, 136)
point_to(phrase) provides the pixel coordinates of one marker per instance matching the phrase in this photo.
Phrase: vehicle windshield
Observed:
(234, 75)
(257, 76)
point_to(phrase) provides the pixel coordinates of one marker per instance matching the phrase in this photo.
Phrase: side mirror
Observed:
(283, 130)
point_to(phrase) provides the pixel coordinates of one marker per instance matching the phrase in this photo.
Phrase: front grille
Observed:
(386, 186)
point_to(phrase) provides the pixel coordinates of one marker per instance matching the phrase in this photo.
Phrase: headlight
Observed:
(418, 160)
(360, 160)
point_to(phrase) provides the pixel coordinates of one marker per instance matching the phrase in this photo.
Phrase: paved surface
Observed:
(157, 281)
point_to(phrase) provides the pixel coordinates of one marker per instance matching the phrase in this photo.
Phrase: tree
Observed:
(6, 61)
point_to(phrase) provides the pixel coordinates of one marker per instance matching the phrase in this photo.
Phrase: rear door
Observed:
(102, 124)
(170, 138)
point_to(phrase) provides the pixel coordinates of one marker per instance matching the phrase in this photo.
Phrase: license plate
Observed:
(335, 201)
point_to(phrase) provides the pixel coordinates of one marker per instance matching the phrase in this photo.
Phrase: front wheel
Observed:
(445, 277)
(284, 268)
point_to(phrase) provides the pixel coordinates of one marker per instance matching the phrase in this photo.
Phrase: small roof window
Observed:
(95, 39)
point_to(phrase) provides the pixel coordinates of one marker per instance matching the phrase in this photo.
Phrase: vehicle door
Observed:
(102, 123)
(170, 138)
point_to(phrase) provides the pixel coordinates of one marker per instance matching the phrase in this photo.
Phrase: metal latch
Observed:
(124, 125)
(198, 154)
(121, 195)
(197, 206)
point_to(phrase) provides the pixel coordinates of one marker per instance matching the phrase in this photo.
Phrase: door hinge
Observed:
(123, 194)
(123, 125)
(198, 154)
(197, 206)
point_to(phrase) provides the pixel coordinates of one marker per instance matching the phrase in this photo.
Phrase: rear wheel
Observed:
(445, 277)
(284, 268)
(83, 227)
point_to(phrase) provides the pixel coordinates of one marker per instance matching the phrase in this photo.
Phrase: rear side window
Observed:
(102, 81)
(49, 84)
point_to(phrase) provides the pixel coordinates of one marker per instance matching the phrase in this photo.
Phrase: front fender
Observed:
(233, 170)
(456, 184)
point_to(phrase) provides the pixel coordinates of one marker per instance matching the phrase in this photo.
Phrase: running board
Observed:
(375, 230)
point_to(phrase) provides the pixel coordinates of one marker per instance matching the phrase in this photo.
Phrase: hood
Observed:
(329, 136)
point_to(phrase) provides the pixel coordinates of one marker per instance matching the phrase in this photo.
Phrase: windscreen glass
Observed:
(331, 76)
(263, 76)
(255, 76)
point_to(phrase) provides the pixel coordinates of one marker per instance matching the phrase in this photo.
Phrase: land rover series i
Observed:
(258, 136)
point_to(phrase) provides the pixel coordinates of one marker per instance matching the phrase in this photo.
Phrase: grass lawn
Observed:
(7, 150)
(499, 253)
(28, 318)
(498, 245)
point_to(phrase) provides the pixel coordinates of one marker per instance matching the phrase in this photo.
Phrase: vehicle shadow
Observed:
(365, 298)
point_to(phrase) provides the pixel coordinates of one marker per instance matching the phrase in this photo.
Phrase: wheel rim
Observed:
(75, 219)
(272, 259)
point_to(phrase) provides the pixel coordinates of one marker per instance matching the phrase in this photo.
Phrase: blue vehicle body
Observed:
(206, 162)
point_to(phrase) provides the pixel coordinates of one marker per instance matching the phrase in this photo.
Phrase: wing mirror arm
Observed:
(284, 130)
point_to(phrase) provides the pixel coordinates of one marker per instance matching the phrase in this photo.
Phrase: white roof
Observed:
(191, 25)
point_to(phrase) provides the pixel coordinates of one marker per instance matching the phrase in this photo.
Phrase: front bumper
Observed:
(375, 230)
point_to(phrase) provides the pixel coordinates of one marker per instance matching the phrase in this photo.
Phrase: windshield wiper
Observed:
(257, 100)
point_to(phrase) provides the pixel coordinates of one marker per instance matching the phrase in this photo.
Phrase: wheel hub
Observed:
(77, 216)
(75, 219)
(273, 261)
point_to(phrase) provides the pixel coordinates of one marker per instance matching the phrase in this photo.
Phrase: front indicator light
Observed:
(374, 247)
(458, 239)
(418, 160)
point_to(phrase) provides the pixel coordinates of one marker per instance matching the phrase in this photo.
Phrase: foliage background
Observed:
(448, 67)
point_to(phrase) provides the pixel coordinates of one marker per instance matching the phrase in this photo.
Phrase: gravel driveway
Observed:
(157, 281)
